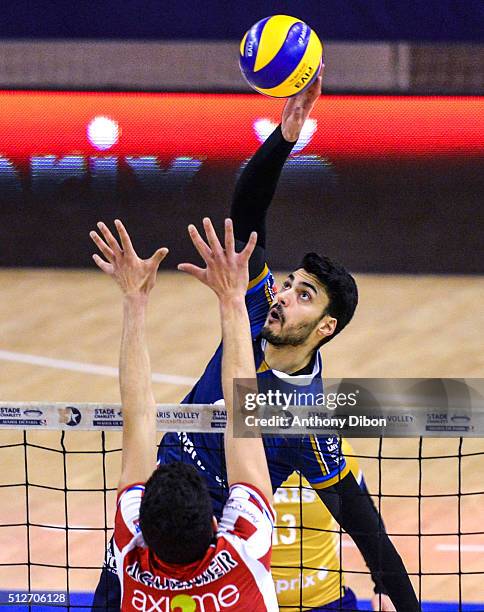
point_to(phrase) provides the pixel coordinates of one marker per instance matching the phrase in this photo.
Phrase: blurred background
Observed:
(387, 176)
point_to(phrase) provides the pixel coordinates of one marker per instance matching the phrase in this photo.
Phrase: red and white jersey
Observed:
(233, 576)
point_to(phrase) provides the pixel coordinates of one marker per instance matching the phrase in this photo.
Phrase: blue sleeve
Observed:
(259, 297)
(321, 460)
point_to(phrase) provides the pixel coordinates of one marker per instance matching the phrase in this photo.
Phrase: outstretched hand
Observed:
(227, 272)
(134, 275)
(298, 108)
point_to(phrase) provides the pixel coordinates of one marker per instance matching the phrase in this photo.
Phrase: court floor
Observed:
(59, 340)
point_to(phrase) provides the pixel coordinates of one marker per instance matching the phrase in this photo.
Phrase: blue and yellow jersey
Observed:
(296, 503)
(319, 459)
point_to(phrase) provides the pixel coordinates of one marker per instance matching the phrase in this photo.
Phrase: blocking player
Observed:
(314, 304)
(169, 551)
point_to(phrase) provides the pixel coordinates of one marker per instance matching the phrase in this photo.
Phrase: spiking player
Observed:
(170, 553)
(314, 304)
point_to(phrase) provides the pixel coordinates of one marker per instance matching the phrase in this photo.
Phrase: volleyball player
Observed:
(314, 304)
(306, 564)
(169, 551)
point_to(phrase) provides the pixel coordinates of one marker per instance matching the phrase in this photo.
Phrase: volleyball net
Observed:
(60, 468)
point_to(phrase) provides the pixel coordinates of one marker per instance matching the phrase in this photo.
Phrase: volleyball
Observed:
(280, 56)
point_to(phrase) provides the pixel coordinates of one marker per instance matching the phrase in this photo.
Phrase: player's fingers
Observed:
(193, 270)
(318, 84)
(102, 246)
(212, 237)
(199, 243)
(229, 238)
(109, 238)
(104, 265)
(250, 246)
(312, 94)
(125, 239)
(159, 255)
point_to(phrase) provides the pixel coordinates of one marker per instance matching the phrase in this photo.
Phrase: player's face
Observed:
(296, 316)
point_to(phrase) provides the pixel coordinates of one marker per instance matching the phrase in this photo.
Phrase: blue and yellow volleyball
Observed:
(280, 56)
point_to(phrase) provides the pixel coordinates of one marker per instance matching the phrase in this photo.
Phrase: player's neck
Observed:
(287, 359)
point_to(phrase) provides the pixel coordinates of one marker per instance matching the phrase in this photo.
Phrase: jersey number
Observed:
(286, 521)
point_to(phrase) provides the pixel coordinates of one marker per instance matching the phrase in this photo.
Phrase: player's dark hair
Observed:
(339, 285)
(176, 514)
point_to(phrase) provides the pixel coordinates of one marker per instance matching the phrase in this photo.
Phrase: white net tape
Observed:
(98, 417)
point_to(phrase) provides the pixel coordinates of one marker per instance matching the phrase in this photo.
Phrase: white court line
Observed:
(87, 368)
(463, 547)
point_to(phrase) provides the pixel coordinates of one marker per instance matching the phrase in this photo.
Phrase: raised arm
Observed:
(136, 278)
(227, 275)
(257, 183)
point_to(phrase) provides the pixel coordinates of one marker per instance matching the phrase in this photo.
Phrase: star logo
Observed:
(73, 416)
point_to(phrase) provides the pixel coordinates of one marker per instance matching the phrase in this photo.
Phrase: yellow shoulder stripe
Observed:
(257, 280)
(332, 481)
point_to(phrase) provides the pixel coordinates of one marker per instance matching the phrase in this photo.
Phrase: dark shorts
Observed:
(348, 603)
(107, 597)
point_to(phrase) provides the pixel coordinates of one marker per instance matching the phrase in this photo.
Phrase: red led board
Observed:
(221, 128)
